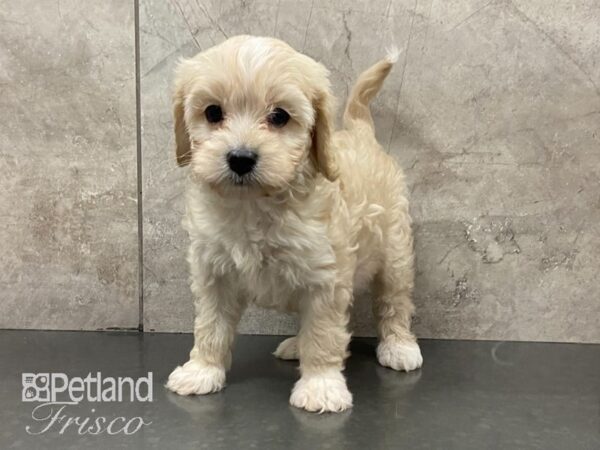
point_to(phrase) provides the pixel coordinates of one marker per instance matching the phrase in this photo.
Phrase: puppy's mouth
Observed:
(234, 186)
(242, 180)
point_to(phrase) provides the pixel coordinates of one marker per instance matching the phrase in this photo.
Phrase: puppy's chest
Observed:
(271, 260)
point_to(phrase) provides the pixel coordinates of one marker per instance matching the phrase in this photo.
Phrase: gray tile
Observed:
(492, 110)
(468, 395)
(499, 125)
(68, 158)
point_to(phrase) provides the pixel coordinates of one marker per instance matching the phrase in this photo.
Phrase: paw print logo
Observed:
(36, 387)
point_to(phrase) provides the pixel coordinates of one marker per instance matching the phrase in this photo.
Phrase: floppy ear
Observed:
(183, 150)
(321, 135)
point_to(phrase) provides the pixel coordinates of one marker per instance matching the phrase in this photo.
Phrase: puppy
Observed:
(284, 212)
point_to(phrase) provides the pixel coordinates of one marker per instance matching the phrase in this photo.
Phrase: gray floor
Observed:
(468, 395)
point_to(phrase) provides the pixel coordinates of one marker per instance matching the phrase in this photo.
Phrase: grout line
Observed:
(138, 122)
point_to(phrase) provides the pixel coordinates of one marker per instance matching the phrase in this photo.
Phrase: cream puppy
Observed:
(285, 212)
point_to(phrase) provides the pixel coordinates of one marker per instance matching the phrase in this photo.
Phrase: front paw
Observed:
(196, 378)
(399, 355)
(322, 392)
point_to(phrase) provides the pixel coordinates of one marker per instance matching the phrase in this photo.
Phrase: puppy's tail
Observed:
(366, 88)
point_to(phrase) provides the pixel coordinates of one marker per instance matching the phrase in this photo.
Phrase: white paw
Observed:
(287, 349)
(322, 392)
(399, 355)
(196, 378)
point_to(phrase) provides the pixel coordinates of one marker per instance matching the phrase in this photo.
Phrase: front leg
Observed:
(322, 348)
(218, 311)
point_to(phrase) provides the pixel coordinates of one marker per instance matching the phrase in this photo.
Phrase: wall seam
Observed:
(138, 120)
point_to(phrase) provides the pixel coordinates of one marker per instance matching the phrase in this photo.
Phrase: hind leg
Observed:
(393, 307)
(287, 349)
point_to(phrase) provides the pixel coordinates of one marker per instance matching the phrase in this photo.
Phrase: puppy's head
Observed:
(251, 114)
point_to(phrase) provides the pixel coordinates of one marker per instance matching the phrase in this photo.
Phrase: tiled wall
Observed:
(68, 211)
(493, 110)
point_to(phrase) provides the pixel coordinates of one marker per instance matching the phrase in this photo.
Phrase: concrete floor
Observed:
(469, 395)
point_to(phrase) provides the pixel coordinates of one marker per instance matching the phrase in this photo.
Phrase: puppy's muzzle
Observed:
(241, 160)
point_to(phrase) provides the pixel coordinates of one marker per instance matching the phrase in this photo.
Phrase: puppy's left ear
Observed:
(322, 153)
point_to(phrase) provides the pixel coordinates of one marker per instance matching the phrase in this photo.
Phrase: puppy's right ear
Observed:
(183, 148)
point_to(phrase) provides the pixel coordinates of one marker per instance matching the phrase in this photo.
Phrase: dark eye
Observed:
(214, 113)
(278, 118)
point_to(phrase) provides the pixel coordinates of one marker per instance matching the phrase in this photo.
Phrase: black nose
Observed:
(241, 160)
